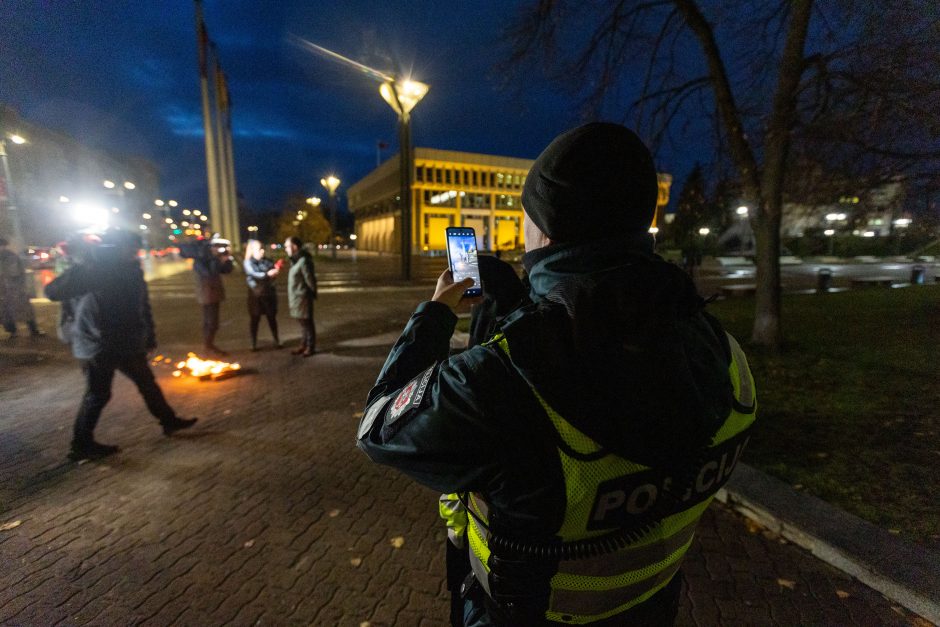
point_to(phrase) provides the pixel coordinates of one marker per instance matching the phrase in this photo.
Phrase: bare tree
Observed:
(855, 77)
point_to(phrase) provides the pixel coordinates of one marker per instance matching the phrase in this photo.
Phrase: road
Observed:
(265, 512)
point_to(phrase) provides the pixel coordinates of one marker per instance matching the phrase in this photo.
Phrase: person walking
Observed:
(260, 274)
(14, 297)
(211, 259)
(111, 328)
(301, 292)
(586, 438)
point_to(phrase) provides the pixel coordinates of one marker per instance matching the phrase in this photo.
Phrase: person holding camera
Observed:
(110, 327)
(584, 441)
(211, 259)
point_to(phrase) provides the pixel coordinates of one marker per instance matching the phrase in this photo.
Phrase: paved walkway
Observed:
(265, 512)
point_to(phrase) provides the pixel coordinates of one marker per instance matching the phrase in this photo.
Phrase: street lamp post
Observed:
(402, 96)
(331, 183)
(12, 214)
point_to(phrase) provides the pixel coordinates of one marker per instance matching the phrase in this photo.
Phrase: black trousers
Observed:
(99, 374)
(210, 323)
(308, 333)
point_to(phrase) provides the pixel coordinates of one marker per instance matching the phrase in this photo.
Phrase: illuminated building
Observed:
(450, 189)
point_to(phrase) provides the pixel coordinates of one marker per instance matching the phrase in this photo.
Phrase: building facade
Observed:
(450, 188)
(58, 186)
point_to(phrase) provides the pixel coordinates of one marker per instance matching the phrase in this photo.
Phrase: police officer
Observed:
(587, 437)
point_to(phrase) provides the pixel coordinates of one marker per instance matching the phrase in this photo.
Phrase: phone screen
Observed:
(462, 255)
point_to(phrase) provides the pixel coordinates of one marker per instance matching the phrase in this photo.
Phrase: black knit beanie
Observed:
(594, 181)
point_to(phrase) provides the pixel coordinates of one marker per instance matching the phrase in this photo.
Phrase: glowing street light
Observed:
(108, 184)
(331, 183)
(313, 201)
(17, 139)
(704, 231)
(159, 202)
(63, 198)
(402, 95)
(172, 203)
(742, 211)
(146, 216)
(129, 185)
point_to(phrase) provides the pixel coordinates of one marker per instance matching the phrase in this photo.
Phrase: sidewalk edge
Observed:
(903, 572)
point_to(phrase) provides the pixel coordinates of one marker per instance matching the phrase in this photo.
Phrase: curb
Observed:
(902, 571)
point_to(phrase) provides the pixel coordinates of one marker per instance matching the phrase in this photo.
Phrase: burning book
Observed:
(205, 369)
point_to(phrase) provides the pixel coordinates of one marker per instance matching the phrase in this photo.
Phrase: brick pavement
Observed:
(265, 513)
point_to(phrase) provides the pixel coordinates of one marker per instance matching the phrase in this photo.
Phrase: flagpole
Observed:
(226, 210)
(230, 164)
(202, 40)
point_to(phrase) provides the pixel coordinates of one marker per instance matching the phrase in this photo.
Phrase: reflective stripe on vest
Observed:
(593, 588)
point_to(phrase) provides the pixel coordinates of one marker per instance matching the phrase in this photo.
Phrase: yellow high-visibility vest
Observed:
(604, 489)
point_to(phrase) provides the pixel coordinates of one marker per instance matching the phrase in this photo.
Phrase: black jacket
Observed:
(256, 275)
(615, 339)
(109, 306)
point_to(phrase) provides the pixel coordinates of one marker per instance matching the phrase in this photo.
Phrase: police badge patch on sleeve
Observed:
(409, 397)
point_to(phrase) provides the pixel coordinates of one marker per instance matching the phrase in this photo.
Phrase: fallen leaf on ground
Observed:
(11, 525)
(842, 594)
(753, 526)
(250, 543)
(917, 621)
(226, 412)
(365, 623)
(786, 583)
(798, 486)
(355, 561)
(397, 542)
(334, 513)
(821, 455)
(358, 414)
(894, 532)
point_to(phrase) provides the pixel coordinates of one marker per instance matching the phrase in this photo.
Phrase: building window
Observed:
(447, 176)
(507, 201)
(438, 175)
(475, 201)
(440, 199)
(419, 174)
(475, 178)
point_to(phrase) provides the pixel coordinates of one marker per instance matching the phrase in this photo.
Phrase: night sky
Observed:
(123, 76)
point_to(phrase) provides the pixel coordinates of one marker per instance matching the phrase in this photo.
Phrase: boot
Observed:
(90, 450)
(177, 424)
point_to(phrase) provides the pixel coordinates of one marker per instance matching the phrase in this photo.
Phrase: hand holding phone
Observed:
(462, 258)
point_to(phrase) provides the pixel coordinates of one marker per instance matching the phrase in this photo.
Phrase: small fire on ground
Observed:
(204, 369)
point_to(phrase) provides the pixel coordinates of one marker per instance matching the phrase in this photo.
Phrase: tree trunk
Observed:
(767, 329)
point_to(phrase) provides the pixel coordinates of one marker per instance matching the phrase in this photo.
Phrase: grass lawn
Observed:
(849, 409)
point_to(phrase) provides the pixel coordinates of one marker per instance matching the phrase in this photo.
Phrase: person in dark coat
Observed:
(585, 440)
(211, 259)
(260, 274)
(301, 292)
(14, 297)
(111, 328)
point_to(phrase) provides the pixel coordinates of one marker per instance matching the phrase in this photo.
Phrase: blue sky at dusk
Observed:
(124, 77)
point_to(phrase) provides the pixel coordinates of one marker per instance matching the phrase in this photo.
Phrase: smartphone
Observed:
(462, 257)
